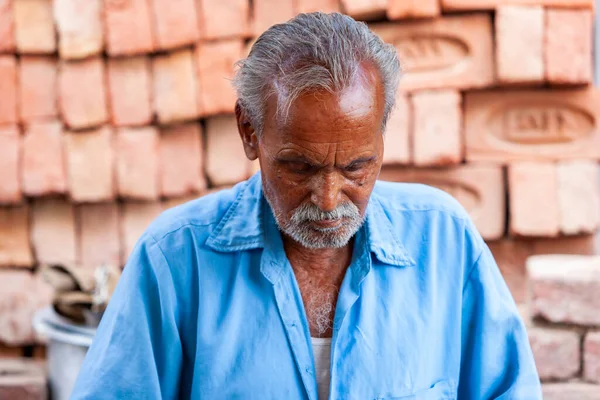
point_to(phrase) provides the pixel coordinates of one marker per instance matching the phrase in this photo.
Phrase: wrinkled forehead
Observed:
(323, 116)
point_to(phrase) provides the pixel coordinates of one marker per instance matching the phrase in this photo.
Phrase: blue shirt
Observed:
(208, 308)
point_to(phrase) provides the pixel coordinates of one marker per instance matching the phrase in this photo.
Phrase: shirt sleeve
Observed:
(496, 362)
(136, 353)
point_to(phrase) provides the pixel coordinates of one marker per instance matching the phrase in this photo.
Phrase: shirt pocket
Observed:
(442, 390)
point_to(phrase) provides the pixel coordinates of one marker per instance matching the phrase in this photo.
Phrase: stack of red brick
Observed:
(564, 333)
(112, 111)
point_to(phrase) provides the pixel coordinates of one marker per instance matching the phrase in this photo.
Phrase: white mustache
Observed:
(310, 212)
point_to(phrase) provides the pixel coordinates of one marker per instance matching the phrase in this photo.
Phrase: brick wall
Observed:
(112, 111)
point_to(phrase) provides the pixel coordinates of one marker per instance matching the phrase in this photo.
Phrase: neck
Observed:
(319, 274)
(322, 265)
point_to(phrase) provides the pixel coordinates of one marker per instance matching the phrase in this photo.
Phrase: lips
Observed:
(328, 223)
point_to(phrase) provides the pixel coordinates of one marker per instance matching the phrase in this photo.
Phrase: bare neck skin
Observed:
(319, 273)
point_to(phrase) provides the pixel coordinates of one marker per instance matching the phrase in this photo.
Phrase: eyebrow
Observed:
(290, 158)
(301, 158)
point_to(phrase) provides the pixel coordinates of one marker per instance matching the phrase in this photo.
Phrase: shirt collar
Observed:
(242, 227)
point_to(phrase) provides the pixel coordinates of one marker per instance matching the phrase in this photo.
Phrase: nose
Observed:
(327, 191)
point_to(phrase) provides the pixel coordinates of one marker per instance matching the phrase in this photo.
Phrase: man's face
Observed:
(320, 165)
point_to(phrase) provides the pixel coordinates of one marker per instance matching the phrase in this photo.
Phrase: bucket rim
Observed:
(47, 322)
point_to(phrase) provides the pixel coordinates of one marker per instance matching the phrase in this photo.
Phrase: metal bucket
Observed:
(66, 348)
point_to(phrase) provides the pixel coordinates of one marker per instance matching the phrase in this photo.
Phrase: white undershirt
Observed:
(322, 352)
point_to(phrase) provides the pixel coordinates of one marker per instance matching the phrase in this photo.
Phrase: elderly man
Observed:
(311, 280)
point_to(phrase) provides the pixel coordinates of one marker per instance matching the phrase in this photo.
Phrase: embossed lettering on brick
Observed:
(532, 125)
(450, 52)
(545, 124)
(423, 53)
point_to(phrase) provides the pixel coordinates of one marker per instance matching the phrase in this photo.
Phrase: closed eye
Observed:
(299, 167)
(355, 166)
(359, 164)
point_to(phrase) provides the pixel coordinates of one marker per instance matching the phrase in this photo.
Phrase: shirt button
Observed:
(308, 370)
(293, 324)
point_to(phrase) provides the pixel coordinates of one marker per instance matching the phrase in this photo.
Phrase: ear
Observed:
(247, 133)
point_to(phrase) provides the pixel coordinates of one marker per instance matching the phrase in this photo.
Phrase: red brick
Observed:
(79, 25)
(572, 390)
(15, 249)
(90, 165)
(479, 188)
(270, 12)
(99, 240)
(397, 133)
(577, 245)
(532, 125)
(399, 9)
(565, 288)
(533, 197)
(137, 162)
(181, 160)
(23, 379)
(226, 162)
(129, 91)
(365, 9)
(23, 293)
(308, 6)
(591, 357)
(128, 27)
(34, 26)
(579, 196)
(7, 27)
(38, 77)
(211, 15)
(175, 87)
(470, 5)
(176, 23)
(519, 44)
(53, 231)
(556, 352)
(135, 218)
(10, 161)
(215, 70)
(43, 167)
(8, 90)
(437, 128)
(82, 94)
(511, 255)
(569, 192)
(568, 46)
(454, 52)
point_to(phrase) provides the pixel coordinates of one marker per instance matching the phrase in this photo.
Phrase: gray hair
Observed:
(315, 51)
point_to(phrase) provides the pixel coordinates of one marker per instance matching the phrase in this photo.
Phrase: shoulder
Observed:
(415, 197)
(430, 224)
(204, 212)
(413, 207)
